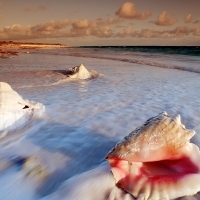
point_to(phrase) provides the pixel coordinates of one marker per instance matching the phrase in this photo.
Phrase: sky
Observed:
(101, 22)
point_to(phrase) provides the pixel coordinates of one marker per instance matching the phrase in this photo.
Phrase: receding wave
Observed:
(138, 61)
(41, 78)
(179, 58)
(35, 78)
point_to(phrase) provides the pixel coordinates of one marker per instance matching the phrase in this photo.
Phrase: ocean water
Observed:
(84, 119)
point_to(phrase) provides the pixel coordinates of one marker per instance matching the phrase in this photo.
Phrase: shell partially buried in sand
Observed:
(14, 110)
(80, 72)
(157, 161)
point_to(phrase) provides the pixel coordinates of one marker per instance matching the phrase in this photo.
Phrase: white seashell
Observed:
(79, 72)
(157, 160)
(14, 110)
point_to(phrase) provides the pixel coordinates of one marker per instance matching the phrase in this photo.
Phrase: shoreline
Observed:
(9, 49)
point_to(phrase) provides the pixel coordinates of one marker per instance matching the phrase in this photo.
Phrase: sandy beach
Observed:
(9, 49)
(84, 119)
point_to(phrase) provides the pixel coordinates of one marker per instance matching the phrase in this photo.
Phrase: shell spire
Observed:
(159, 136)
(178, 119)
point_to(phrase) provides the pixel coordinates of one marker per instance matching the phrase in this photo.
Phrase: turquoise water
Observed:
(182, 50)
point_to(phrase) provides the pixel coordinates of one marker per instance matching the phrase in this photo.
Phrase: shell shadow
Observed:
(86, 149)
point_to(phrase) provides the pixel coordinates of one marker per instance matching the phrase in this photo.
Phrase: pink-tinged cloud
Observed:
(129, 11)
(42, 7)
(126, 32)
(120, 26)
(60, 29)
(178, 32)
(99, 28)
(144, 33)
(52, 27)
(196, 31)
(102, 32)
(188, 18)
(85, 28)
(81, 24)
(15, 31)
(108, 22)
(164, 19)
(196, 21)
(28, 9)
(148, 33)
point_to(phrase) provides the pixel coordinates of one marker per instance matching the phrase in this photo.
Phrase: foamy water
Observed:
(85, 118)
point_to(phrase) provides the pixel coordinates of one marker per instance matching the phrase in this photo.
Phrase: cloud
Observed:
(44, 30)
(81, 24)
(196, 31)
(164, 19)
(86, 28)
(60, 29)
(148, 33)
(196, 21)
(108, 22)
(15, 31)
(102, 32)
(180, 31)
(126, 32)
(27, 9)
(129, 11)
(40, 7)
(120, 26)
(177, 32)
(1, 3)
(98, 28)
(188, 18)
(50, 29)
(144, 33)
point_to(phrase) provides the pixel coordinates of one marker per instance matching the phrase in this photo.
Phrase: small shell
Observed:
(157, 161)
(34, 169)
(79, 72)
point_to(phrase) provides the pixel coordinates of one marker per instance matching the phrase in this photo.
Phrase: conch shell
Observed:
(79, 72)
(14, 110)
(157, 161)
